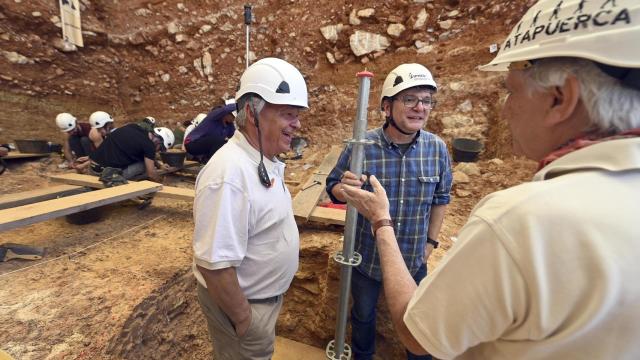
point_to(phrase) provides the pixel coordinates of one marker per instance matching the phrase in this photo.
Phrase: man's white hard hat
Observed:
(276, 81)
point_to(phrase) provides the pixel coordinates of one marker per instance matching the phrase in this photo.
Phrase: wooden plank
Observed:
(328, 215)
(307, 198)
(169, 192)
(45, 210)
(30, 197)
(18, 155)
(176, 193)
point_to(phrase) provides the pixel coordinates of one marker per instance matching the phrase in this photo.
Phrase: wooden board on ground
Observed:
(34, 196)
(91, 181)
(18, 155)
(286, 349)
(308, 196)
(45, 210)
(328, 215)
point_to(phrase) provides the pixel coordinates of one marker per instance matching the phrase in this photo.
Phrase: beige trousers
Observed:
(256, 344)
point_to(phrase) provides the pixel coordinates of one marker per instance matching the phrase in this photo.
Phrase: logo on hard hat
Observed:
(418, 76)
(567, 19)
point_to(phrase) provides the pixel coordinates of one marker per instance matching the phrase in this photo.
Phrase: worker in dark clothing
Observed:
(212, 132)
(132, 150)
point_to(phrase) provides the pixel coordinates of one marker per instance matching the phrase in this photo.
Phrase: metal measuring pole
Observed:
(247, 23)
(337, 349)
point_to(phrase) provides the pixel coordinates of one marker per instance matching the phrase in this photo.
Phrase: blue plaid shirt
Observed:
(414, 181)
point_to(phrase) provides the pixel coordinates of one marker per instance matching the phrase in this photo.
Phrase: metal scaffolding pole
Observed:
(337, 349)
(247, 23)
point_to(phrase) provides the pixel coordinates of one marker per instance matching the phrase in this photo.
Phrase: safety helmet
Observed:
(276, 81)
(606, 32)
(66, 122)
(406, 76)
(198, 119)
(150, 120)
(167, 136)
(99, 119)
(230, 102)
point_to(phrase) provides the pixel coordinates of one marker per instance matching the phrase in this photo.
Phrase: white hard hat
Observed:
(150, 119)
(167, 136)
(229, 102)
(276, 81)
(66, 122)
(198, 119)
(99, 118)
(406, 76)
(603, 31)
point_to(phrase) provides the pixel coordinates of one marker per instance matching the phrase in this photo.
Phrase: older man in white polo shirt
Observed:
(246, 241)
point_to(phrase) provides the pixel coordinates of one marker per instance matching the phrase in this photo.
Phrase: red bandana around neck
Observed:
(584, 141)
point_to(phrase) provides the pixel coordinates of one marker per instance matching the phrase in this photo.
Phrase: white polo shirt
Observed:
(544, 270)
(241, 223)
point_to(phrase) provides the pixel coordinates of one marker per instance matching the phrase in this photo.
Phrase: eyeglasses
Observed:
(411, 101)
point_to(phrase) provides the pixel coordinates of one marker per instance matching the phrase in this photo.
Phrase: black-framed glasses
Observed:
(411, 101)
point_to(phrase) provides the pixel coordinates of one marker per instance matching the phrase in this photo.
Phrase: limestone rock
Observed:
(363, 42)
(471, 169)
(226, 27)
(165, 77)
(16, 58)
(366, 13)
(173, 28)
(205, 29)
(182, 69)
(446, 24)
(462, 193)
(466, 106)
(331, 58)
(197, 63)
(496, 161)
(460, 178)
(395, 29)
(456, 86)
(36, 14)
(456, 121)
(353, 18)
(331, 32)
(425, 49)
(181, 38)
(142, 12)
(63, 46)
(421, 19)
(207, 64)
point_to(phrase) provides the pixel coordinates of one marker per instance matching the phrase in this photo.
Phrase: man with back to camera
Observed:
(414, 165)
(212, 132)
(547, 269)
(245, 241)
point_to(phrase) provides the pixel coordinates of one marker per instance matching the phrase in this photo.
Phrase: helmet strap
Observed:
(262, 170)
(389, 120)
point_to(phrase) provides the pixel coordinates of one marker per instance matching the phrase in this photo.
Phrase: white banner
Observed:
(70, 18)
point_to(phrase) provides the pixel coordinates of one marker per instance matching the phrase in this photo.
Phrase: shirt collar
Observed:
(272, 166)
(385, 141)
(612, 155)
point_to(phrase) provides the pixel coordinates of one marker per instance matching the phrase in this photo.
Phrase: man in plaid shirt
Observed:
(414, 168)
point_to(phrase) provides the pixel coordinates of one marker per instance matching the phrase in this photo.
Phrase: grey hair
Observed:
(256, 102)
(610, 105)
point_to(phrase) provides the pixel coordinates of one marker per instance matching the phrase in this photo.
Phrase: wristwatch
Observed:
(380, 223)
(435, 243)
